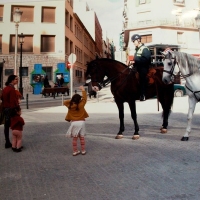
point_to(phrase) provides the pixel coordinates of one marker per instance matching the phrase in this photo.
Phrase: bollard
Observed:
(86, 89)
(75, 91)
(97, 96)
(26, 101)
(62, 100)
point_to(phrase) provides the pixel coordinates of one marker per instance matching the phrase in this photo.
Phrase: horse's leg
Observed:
(192, 104)
(166, 113)
(134, 117)
(120, 106)
(166, 100)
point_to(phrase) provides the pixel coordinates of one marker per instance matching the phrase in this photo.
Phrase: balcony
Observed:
(163, 22)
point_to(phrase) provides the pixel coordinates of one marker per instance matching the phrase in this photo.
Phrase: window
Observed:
(48, 71)
(71, 23)
(27, 15)
(67, 48)
(24, 71)
(9, 72)
(142, 1)
(86, 41)
(26, 47)
(86, 59)
(180, 37)
(48, 43)
(0, 43)
(1, 13)
(146, 38)
(48, 14)
(78, 53)
(78, 73)
(179, 2)
(78, 32)
(28, 44)
(67, 18)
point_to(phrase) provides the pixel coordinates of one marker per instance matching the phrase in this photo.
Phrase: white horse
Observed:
(175, 62)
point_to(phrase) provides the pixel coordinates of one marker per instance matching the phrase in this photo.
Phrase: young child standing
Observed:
(17, 123)
(76, 115)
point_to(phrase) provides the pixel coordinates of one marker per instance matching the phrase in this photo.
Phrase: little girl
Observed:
(76, 115)
(17, 123)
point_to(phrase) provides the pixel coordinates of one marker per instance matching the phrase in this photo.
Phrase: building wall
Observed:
(88, 52)
(98, 37)
(37, 28)
(165, 21)
(91, 22)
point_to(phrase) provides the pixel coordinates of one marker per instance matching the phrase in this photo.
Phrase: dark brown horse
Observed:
(125, 88)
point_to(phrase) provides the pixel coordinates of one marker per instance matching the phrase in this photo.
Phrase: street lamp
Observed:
(197, 19)
(21, 41)
(16, 18)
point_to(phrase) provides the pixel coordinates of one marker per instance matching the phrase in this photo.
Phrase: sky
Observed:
(109, 13)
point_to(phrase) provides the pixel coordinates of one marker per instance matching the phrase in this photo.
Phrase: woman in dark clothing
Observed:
(10, 100)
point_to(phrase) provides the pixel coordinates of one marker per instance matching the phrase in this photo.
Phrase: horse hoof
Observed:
(119, 137)
(135, 137)
(184, 138)
(163, 130)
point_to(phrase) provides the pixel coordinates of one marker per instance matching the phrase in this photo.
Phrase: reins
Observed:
(194, 93)
(110, 80)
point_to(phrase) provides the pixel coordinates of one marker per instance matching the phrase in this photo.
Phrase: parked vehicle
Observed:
(179, 90)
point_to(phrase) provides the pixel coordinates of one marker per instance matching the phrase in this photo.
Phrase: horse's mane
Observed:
(96, 61)
(106, 59)
(185, 59)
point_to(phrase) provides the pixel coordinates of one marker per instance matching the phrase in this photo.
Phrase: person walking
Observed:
(46, 82)
(61, 81)
(91, 91)
(17, 123)
(76, 115)
(142, 60)
(10, 100)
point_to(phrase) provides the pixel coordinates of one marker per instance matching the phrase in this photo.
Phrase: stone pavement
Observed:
(155, 167)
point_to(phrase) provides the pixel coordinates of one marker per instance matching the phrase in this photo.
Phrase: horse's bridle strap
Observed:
(194, 93)
(107, 81)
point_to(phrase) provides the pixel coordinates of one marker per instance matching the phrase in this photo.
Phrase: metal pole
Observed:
(20, 72)
(16, 40)
(27, 101)
(62, 100)
(71, 80)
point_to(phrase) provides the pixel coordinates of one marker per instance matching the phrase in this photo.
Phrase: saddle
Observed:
(150, 76)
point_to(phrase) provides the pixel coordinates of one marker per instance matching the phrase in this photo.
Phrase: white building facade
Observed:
(161, 22)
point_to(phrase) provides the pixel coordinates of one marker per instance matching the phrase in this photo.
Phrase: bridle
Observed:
(173, 63)
(171, 72)
(105, 82)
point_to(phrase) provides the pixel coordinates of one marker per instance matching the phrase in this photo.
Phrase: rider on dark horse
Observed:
(142, 60)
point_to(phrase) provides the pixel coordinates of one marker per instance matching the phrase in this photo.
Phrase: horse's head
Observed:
(97, 74)
(170, 66)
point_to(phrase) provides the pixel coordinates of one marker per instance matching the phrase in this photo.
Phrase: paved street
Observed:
(155, 167)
